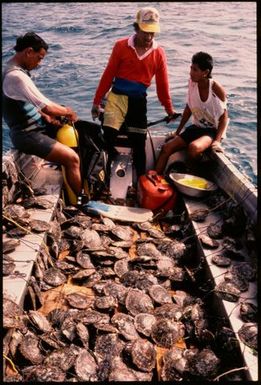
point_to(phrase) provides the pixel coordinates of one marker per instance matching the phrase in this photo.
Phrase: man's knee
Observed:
(166, 150)
(72, 160)
(194, 150)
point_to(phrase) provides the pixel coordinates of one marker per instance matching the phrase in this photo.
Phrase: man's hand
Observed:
(71, 115)
(170, 135)
(216, 146)
(173, 116)
(95, 111)
(51, 120)
(56, 123)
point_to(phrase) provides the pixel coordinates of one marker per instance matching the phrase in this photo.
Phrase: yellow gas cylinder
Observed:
(68, 136)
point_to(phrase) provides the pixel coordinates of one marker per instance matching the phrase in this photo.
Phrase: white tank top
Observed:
(205, 114)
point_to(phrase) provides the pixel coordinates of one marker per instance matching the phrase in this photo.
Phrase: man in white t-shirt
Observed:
(31, 117)
(207, 105)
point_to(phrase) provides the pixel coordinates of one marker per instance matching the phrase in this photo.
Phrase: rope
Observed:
(25, 229)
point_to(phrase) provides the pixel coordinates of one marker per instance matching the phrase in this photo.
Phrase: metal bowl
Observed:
(189, 190)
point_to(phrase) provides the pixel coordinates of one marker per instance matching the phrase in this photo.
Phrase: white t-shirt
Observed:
(205, 114)
(19, 86)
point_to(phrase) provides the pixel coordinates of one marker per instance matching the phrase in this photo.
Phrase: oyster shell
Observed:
(183, 298)
(13, 315)
(29, 348)
(244, 270)
(39, 202)
(83, 334)
(227, 291)
(208, 242)
(38, 226)
(10, 245)
(43, 373)
(86, 366)
(84, 260)
(199, 215)
(79, 301)
(138, 279)
(15, 212)
(116, 290)
(143, 355)
(238, 281)
(248, 334)
(124, 233)
(138, 302)
(91, 316)
(166, 333)
(108, 345)
(215, 231)
(105, 302)
(73, 232)
(174, 365)
(150, 229)
(91, 239)
(169, 311)
(54, 277)
(121, 372)
(17, 232)
(40, 321)
(172, 248)
(143, 323)
(220, 260)
(204, 364)
(148, 248)
(84, 274)
(8, 267)
(66, 267)
(53, 339)
(62, 358)
(125, 325)
(159, 294)
(248, 312)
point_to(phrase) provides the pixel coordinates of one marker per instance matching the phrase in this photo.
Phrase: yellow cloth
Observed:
(115, 110)
(198, 183)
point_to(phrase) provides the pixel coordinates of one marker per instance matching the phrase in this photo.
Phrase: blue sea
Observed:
(81, 36)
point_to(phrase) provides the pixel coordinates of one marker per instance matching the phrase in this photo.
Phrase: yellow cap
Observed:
(67, 135)
(148, 19)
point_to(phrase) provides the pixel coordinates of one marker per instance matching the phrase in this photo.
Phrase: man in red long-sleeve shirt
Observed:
(132, 65)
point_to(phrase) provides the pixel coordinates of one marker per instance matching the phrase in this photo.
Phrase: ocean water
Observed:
(81, 36)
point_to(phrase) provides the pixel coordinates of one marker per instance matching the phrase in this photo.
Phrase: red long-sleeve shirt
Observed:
(125, 64)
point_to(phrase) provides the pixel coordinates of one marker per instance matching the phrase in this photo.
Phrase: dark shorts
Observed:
(194, 132)
(37, 142)
(136, 117)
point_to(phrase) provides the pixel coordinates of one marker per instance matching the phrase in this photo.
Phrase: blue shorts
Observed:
(194, 132)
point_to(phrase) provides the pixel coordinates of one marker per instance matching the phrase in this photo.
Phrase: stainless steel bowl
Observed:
(189, 190)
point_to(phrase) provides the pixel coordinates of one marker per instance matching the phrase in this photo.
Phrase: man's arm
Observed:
(223, 120)
(58, 110)
(185, 117)
(162, 84)
(222, 125)
(107, 76)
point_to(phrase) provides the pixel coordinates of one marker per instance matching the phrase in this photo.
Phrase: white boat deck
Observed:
(231, 309)
(41, 174)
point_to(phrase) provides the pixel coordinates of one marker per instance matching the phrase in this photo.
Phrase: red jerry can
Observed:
(155, 193)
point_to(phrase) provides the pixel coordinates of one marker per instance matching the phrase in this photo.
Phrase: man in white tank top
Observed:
(207, 105)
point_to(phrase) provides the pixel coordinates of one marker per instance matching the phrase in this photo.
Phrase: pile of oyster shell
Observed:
(113, 302)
